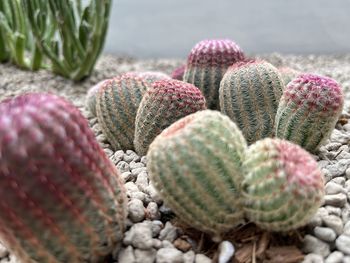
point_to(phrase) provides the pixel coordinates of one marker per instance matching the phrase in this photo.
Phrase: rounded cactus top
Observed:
(148, 76)
(179, 72)
(318, 93)
(215, 52)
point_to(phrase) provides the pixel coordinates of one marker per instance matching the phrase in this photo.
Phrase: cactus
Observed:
(283, 186)
(90, 102)
(164, 103)
(288, 74)
(149, 76)
(249, 95)
(308, 111)
(62, 199)
(196, 165)
(117, 104)
(207, 64)
(179, 72)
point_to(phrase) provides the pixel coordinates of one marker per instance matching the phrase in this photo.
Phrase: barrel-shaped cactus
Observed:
(249, 94)
(283, 186)
(149, 76)
(117, 104)
(62, 199)
(207, 64)
(196, 165)
(308, 111)
(179, 72)
(288, 74)
(164, 103)
(90, 101)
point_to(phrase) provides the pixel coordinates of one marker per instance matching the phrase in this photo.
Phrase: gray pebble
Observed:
(145, 256)
(343, 244)
(127, 177)
(332, 188)
(156, 227)
(153, 193)
(136, 210)
(346, 230)
(139, 195)
(152, 211)
(139, 236)
(316, 246)
(142, 181)
(313, 258)
(346, 259)
(339, 180)
(169, 255)
(332, 146)
(189, 257)
(347, 173)
(337, 200)
(334, 222)
(335, 257)
(345, 213)
(131, 187)
(167, 244)
(338, 136)
(157, 243)
(123, 167)
(134, 165)
(333, 210)
(316, 220)
(169, 232)
(325, 233)
(108, 152)
(200, 258)
(137, 171)
(144, 160)
(118, 156)
(126, 255)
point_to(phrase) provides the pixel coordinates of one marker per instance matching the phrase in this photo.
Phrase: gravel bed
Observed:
(151, 236)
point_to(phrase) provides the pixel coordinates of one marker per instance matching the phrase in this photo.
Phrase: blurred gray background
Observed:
(169, 28)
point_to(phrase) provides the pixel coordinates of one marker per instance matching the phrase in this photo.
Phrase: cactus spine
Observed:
(207, 64)
(90, 102)
(196, 166)
(308, 110)
(283, 186)
(62, 199)
(179, 72)
(117, 104)
(288, 74)
(249, 95)
(163, 104)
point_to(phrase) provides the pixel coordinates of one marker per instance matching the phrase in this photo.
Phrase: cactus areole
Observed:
(62, 199)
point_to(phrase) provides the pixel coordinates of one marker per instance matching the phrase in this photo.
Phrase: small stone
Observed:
(128, 158)
(182, 245)
(333, 210)
(137, 171)
(136, 210)
(334, 222)
(126, 255)
(169, 232)
(139, 236)
(343, 244)
(345, 213)
(127, 177)
(101, 138)
(347, 229)
(145, 256)
(189, 257)
(156, 227)
(332, 188)
(346, 259)
(316, 220)
(333, 146)
(316, 246)
(338, 136)
(157, 244)
(337, 200)
(313, 258)
(226, 252)
(167, 244)
(123, 167)
(201, 258)
(347, 173)
(108, 152)
(131, 187)
(339, 180)
(325, 233)
(169, 255)
(154, 194)
(152, 211)
(134, 165)
(144, 160)
(338, 169)
(138, 195)
(335, 257)
(142, 181)
(118, 155)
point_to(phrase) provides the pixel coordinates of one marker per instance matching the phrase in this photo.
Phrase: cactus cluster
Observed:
(90, 101)
(179, 72)
(163, 104)
(282, 187)
(148, 76)
(62, 199)
(117, 104)
(207, 64)
(308, 110)
(196, 165)
(288, 74)
(249, 94)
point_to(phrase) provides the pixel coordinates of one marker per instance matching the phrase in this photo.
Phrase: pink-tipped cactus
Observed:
(179, 72)
(308, 110)
(62, 199)
(207, 64)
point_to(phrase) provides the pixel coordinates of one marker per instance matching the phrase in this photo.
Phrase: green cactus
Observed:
(195, 164)
(116, 107)
(283, 186)
(308, 111)
(249, 95)
(288, 74)
(62, 199)
(207, 64)
(163, 104)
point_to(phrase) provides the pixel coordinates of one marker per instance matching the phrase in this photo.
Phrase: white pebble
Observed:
(226, 251)
(136, 210)
(343, 244)
(169, 255)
